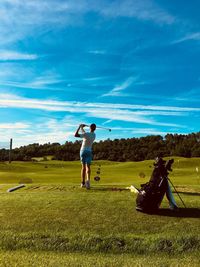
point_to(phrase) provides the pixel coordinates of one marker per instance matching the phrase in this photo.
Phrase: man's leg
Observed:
(88, 171)
(83, 173)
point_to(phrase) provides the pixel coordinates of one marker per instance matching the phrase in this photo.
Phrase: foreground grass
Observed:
(65, 225)
(55, 223)
(24, 258)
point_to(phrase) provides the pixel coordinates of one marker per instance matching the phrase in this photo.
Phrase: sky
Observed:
(129, 65)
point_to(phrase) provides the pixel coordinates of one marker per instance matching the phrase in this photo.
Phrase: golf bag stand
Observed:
(177, 193)
(151, 194)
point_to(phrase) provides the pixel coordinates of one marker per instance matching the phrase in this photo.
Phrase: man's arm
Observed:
(77, 131)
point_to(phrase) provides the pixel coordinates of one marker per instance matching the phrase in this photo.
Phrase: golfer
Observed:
(86, 152)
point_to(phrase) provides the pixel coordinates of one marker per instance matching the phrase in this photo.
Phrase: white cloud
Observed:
(128, 116)
(11, 72)
(53, 130)
(141, 114)
(97, 52)
(148, 131)
(121, 132)
(15, 101)
(47, 81)
(21, 18)
(5, 144)
(6, 55)
(117, 90)
(142, 10)
(143, 131)
(16, 125)
(41, 131)
(10, 130)
(189, 37)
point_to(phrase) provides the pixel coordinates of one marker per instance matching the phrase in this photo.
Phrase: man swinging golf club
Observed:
(86, 152)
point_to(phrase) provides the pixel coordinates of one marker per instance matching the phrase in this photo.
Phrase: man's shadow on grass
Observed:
(181, 213)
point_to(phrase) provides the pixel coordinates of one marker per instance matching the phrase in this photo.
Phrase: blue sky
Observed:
(130, 65)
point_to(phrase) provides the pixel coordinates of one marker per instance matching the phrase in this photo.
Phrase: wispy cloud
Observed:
(17, 125)
(141, 131)
(4, 144)
(127, 116)
(142, 10)
(6, 55)
(36, 16)
(44, 131)
(117, 90)
(94, 79)
(97, 52)
(60, 131)
(10, 130)
(189, 37)
(109, 111)
(12, 100)
(148, 131)
(34, 13)
(47, 82)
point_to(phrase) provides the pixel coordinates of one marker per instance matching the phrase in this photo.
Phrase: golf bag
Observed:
(151, 194)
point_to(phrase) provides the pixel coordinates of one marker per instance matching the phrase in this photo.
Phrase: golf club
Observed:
(100, 127)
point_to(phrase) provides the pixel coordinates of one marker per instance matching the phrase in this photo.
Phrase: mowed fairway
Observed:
(53, 222)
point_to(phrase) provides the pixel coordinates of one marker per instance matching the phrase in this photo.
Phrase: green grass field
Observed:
(53, 222)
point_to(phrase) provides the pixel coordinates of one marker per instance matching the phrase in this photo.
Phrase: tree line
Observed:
(130, 149)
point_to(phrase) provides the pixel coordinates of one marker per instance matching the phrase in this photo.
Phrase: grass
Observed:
(52, 259)
(52, 222)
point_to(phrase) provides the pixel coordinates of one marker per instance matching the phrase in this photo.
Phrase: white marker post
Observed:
(10, 151)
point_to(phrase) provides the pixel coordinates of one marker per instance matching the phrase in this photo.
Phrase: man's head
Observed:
(92, 127)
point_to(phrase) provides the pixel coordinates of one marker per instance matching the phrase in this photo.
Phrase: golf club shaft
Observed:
(100, 127)
(177, 193)
(104, 128)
